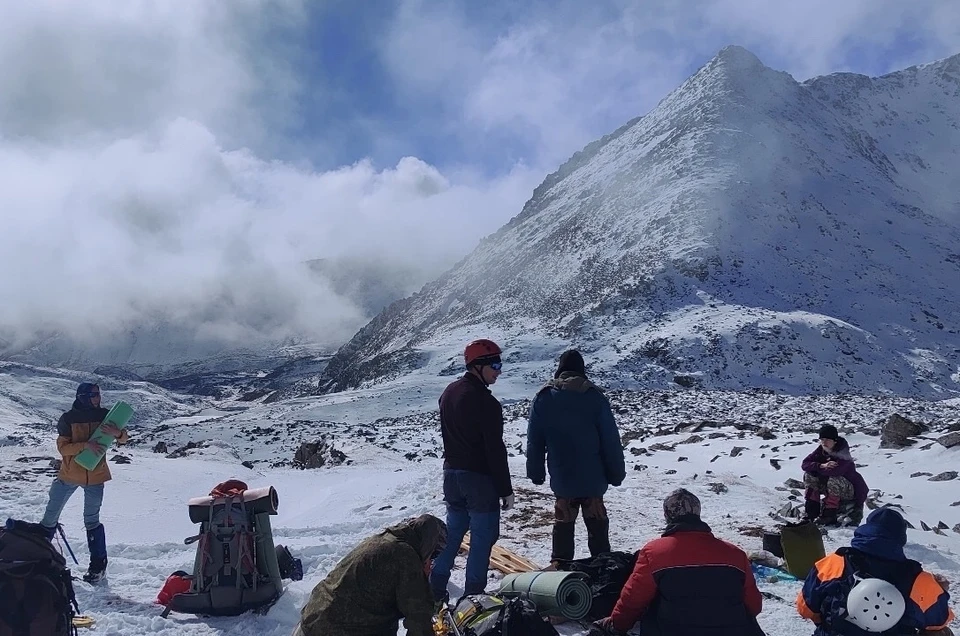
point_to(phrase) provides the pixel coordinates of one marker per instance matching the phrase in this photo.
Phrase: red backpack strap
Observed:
(229, 488)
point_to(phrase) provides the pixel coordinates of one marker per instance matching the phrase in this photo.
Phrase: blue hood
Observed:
(883, 535)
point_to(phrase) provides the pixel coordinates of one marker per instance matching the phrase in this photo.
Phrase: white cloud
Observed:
(129, 195)
(170, 225)
(136, 140)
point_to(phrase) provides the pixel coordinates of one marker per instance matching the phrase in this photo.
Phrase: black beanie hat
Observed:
(572, 362)
(828, 431)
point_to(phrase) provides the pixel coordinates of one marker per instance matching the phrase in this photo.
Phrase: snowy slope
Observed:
(391, 442)
(32, 399)
(749, 231)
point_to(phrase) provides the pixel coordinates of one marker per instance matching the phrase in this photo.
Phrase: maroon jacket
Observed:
(845, 467)
(689, 583)
(471, 422)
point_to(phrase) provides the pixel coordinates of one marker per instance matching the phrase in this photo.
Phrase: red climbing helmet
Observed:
(479, 349)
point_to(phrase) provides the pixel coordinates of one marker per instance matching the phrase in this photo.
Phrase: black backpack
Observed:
(606, 573)
(36, 590)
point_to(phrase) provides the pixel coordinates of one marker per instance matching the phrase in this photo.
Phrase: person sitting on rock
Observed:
(872, 587)
(687, 582)
(378, 583)
(830, 471)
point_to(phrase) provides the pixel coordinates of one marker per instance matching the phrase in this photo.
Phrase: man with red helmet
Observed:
(476, 475)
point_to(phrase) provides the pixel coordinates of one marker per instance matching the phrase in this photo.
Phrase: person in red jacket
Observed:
(688, 582)
(476, 475)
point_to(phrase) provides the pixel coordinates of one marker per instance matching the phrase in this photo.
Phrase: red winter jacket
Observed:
(689, 583)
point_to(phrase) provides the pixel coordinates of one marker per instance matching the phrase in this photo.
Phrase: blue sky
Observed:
(366, 67)
(217, 145)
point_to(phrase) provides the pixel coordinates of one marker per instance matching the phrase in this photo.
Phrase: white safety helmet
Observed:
(874, 605)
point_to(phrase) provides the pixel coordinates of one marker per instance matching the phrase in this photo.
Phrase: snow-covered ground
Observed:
(392, 472)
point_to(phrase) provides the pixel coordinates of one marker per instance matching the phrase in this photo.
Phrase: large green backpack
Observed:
(235, 569)
(802, 546)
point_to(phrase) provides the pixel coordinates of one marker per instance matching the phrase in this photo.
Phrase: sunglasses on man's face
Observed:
(496, 366)
(93, 395)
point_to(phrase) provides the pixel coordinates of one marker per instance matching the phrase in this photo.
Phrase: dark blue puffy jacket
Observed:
(876, 551)
(572, 424)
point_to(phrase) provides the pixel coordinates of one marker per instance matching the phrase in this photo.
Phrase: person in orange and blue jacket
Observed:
(876, 551)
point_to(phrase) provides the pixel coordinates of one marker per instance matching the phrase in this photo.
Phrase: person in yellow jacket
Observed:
(74, 429)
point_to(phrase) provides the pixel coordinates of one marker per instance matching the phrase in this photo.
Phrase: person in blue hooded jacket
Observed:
(876, 551)
(572, 427)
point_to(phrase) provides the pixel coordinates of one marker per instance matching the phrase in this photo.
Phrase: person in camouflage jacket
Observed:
(379, 582)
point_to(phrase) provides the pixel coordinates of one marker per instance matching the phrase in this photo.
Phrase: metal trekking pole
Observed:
(67, 543)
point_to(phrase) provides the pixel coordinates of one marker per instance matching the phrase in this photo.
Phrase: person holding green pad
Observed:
(78, 433)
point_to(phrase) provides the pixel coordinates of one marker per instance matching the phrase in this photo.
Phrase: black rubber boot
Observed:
(563, 537)
(598, 535)
(97, 542)
(811, 509)
(828, 517)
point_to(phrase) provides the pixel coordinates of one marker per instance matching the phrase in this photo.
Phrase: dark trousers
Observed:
(564, 526)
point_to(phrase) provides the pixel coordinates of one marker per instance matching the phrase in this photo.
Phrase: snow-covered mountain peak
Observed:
(749, 230)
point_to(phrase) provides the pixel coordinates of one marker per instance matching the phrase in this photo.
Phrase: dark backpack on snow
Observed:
(606, 573)
(36, 590)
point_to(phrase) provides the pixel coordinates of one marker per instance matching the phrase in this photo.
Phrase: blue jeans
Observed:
(472, 504)
(60, 493)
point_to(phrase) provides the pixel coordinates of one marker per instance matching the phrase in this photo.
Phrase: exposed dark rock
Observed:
(949, 440)
(897, 431)
(182, 451)
(944, 476)
(160, 447)
(318, 454)
(736, 450)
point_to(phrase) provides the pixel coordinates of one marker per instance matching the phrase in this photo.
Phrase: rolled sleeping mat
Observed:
(557, 594)
(257, 501)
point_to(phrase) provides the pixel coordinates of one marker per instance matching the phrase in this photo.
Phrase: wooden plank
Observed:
(503, 560)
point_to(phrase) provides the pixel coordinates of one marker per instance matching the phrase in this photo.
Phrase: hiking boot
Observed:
(811, 510)
(828, 517)
(97, 571)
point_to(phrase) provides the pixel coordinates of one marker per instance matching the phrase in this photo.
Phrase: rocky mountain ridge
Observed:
(750, 231)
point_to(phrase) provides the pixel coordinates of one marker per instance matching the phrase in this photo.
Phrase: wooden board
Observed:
(503, 560)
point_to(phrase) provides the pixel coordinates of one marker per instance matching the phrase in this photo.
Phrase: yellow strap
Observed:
(83, 621)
